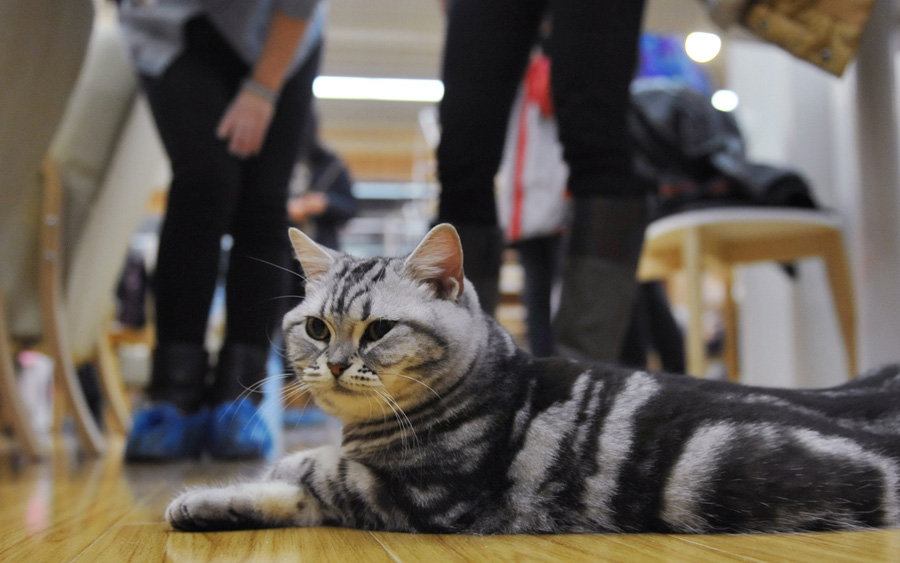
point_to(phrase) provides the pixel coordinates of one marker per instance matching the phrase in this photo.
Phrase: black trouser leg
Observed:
(539, 258)
(485, 54)
(214, 192)
(594, 53)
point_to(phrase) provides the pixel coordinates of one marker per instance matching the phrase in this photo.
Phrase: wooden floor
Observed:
(71, 508)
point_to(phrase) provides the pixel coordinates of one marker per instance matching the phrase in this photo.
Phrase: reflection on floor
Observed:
(72, 508)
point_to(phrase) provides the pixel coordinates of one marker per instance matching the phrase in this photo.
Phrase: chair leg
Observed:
(53, 316)
(10, 400)
(731, 336)
(842, 293)
(111, 384)
(693, 265)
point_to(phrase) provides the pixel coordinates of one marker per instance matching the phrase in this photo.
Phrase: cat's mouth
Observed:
(341, 389)
(346, 385)
(348, 388)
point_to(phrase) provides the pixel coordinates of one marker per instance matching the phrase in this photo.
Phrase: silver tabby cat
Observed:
(448, 427)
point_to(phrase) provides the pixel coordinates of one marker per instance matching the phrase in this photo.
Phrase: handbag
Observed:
(532, 200)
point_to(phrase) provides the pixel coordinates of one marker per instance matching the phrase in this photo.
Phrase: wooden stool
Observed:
(720, 238)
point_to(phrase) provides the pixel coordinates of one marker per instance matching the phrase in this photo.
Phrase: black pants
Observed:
(540, 259)
(214, 193)
(653, 327)
(594, 49)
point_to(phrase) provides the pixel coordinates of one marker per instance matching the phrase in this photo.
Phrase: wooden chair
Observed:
(84, 200)
(721, 238)
(42, 45)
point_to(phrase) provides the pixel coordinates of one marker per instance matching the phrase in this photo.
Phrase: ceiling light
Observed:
(725, 100)
(385, 89)
(702, 47)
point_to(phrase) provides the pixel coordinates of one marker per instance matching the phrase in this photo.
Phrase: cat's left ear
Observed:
(316, 261)
(438, 261)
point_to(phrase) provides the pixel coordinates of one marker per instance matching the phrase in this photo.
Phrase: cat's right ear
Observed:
(316, 261)
(438, 261)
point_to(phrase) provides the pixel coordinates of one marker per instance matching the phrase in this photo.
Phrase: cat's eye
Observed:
(317, 329)
(377, 329)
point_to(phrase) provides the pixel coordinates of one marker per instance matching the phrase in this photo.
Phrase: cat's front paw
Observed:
(237, 507)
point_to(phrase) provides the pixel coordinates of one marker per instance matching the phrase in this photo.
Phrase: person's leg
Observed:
(187, 102)
(260, 279)
(485, 53)
(665, 334)
(594, 52)
(635, 342)
(539, 258)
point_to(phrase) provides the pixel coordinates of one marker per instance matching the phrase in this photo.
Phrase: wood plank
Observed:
(862, 547)
(65, 505)
(158, 542)
(549, 548)
(60, 519)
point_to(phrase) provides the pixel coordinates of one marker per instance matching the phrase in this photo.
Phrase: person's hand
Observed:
(311, 204)
(245, 124)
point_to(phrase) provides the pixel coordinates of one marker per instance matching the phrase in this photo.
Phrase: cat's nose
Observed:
(337, 369)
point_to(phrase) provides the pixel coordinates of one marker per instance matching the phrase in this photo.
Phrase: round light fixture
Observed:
(702, 47)
(725, 100)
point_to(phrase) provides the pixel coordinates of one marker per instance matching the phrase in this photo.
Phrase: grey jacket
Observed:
(153, 29)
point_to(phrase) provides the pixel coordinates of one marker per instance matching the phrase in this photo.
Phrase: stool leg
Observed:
(842, 293)
(112, 386)
(730, 317)
(693, 258)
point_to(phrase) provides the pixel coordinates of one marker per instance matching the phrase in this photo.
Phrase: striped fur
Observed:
(448, 427)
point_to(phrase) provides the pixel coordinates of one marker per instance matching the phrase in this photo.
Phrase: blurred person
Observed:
(230, 86)
(321, 196)
(532, 201)
(594, 47)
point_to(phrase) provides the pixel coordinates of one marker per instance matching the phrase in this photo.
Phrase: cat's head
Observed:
(374, 334)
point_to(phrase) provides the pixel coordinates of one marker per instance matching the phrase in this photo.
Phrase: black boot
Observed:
(599, 277)
(179, 376)
(238, 429)
(240, 370)
(482, 257)
(175, 425)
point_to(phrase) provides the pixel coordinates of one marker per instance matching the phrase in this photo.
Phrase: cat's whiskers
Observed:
(274, 265)
(257, 416)
(400, 423)
(296, 389)
(419, 381)
(402, 420)
(313, 375)
(259, 384)
(383, 412)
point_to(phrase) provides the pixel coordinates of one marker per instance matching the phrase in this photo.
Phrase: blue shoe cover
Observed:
(164, 433)
(238, 431)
